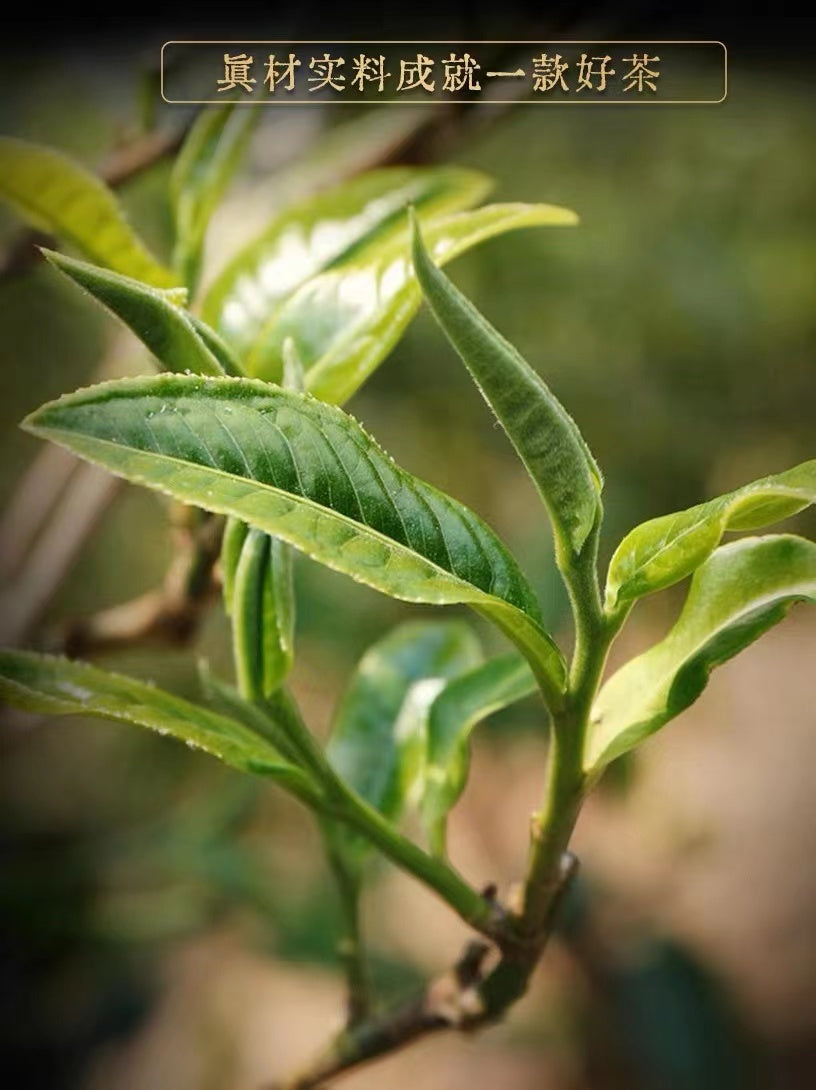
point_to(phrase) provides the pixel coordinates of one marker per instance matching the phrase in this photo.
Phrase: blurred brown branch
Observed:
(63, 499)
(475, 992)
(169, 614)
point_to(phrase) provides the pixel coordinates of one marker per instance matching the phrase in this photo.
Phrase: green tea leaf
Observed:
(741, 591)
(51, 685)
(166, 329)
(263, 621)
(664, 550)
(460, 706)
(219, 348)
(309, 237)
(260, 718)
(55, 194)
(235, 534)
(307, 473)
(203, 169)
(346, 321)
(377, 744)
(259, 593)
(543, 434)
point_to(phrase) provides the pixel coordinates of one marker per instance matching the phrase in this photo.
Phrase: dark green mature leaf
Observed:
(378, 739)
(346, 321)
(259, 593)
(201, 173)
(165, 328)
(310, 236)
(741, 591)
(307, 473)
(56, 686)
(543, 434)
(462, 704)
(664, 550)
(56, 194)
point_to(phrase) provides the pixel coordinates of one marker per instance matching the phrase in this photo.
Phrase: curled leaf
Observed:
(378, 739)
(741, 591)
(459, 707)
(664, 550)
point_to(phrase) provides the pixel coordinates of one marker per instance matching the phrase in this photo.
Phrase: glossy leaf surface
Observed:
(346, 321)
(307, 473)
(378, 738)
(310, 236)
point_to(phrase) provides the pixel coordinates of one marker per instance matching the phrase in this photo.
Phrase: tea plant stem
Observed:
(565, 787)
(170, 614)
(466, 1001)
(481, 913)
(462, 999)
(344, 804)
(352, 946)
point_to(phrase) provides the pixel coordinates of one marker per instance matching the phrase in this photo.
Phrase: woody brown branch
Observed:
(471, 995)
(170, 614)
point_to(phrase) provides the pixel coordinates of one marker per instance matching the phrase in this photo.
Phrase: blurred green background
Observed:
(677, 325)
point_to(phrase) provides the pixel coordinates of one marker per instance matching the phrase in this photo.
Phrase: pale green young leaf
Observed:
(217, 345)
(259, 717)
(739, 592)
(55, 194)
(664, 550)
(166, 329)
(459, 707)
(314, 234)
(545, 437)
(235, 534)
(262, 615)
(346, 321)
(307, 473)
(51, 685)
(204, 167)
(378, 741)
